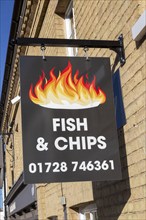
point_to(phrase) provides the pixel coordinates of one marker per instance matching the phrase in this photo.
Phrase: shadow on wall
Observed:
(112, 196)
(139, 43)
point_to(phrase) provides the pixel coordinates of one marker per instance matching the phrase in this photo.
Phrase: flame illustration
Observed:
(65, 91)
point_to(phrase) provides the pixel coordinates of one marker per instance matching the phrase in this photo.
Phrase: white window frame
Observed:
(70, 28)
(87, 209)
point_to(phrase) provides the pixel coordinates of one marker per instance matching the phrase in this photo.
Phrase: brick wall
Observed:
(123, 199)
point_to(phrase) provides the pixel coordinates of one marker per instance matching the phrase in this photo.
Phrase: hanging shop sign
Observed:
(68, 120)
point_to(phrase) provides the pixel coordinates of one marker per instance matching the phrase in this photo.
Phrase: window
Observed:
(88, 212)
(70, 28)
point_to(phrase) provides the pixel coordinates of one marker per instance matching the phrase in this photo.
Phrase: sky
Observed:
(6, 10)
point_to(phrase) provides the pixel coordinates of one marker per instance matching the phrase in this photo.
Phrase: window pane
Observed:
(87, 216)
(95, 216)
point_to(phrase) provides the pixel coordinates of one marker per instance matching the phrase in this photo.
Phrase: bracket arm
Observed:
(116, 45)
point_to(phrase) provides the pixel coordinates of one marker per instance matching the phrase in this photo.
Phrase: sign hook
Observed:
(86, 53)
(43, 48)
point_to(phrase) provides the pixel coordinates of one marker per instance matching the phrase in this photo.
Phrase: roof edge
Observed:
(14, 33)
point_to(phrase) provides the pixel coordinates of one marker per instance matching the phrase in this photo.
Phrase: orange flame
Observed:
(65, 92)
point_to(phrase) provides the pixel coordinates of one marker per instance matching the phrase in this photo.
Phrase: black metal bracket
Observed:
(117, 46)
(6, 133)
(120, 51)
